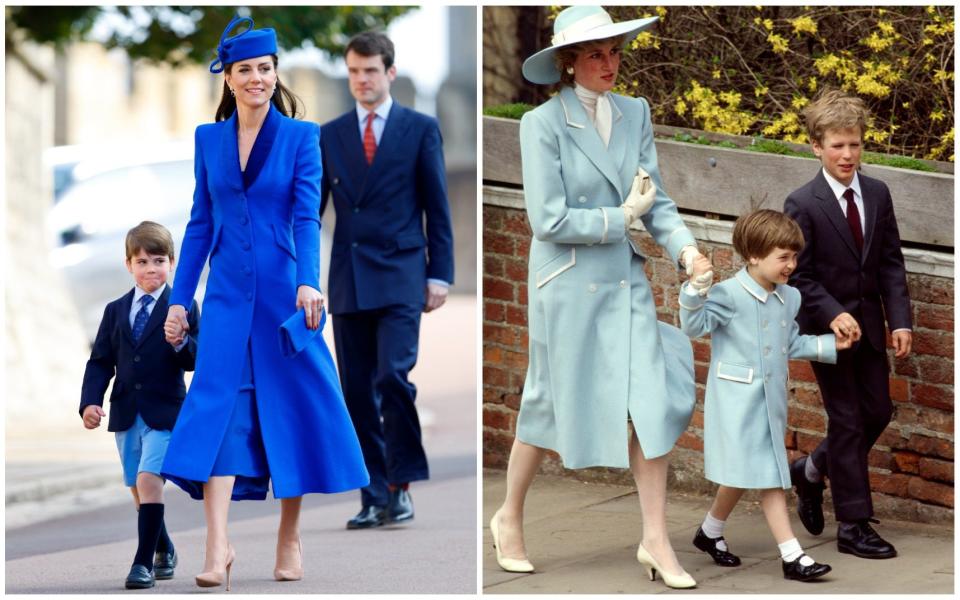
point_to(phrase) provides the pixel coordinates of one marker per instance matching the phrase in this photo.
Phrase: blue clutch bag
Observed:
(294, 334)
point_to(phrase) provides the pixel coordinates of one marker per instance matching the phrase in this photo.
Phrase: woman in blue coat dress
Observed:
(265, 403)
(598, 354)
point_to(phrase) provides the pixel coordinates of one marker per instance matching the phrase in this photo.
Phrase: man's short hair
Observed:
(835, 110)
(152, 238)
(759, 233)
(372, 43)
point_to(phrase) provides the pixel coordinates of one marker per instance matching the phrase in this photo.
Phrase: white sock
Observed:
(713, 528)
(810, 471)
(790, 551)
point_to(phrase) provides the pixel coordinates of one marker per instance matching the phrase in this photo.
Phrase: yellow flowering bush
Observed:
(751, 69)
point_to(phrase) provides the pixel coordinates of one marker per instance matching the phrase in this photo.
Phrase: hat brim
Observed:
(540, 68)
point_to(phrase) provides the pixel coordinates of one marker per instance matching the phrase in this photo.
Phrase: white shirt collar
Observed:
(838, 188)
(138, 293)
(381, 111)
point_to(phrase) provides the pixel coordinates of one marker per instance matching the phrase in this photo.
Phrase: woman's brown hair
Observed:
(565, 56)
(282, 98)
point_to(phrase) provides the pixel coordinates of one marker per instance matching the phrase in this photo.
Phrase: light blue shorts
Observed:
(142, 449)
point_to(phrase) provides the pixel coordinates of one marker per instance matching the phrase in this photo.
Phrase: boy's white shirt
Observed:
(838, 190)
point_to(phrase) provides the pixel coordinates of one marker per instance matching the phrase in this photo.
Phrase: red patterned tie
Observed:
(369, 141)
(853, 219)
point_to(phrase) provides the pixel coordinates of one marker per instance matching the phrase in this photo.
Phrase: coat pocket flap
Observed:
(284, 240)
(555, 266)
(734, 372)
(410, 241)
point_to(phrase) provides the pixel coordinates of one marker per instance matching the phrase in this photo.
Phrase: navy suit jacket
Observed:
(382, 253)
(149, 372)
(834, 277)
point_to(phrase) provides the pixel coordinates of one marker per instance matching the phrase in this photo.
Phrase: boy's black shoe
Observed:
(709, 545)
(794, 570)
(809, 497)
(139, 578)
(400, 506)
(859, 539)
(369, 516)
(164, 563)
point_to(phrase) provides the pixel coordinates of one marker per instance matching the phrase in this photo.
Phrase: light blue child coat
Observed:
(597, 352)
(753, 334)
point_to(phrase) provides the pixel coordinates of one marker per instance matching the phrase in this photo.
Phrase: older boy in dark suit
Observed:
(850, 274)
(147, 391)
(392, 260)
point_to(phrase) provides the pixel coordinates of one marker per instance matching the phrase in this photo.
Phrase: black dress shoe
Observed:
(400, 507)
(794, 570)
(369, 516)
(809, 497)
(139, 578)
(709, 545)
(164, 563)
(861, 540)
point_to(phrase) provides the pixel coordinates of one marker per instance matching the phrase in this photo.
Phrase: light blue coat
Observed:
(597, 352)
(752, 335)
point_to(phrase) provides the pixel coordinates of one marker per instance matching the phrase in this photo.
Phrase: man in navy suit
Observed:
(392, 260)
(852, 277)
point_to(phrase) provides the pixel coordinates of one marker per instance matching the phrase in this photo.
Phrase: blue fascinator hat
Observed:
(249, 43)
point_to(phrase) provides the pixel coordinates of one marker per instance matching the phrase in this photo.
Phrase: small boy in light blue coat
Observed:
(753, 334)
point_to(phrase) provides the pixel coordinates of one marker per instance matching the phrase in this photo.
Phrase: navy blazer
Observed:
(149, 372)
(382, 254)
(834, 277)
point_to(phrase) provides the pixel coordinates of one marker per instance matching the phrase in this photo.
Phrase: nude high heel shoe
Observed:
(511, 565)
(293, 573)
(674, 581)
(216, 578)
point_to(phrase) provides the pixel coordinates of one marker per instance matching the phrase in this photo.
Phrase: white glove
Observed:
(701, 283)
(641, 197)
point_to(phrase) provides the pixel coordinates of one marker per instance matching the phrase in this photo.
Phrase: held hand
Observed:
(92, 415)
(436, 296)
(311, 300)
(844, 343)
(641, 196)
(844, 325)
(902, 342)
(702, 277)
(175, 328)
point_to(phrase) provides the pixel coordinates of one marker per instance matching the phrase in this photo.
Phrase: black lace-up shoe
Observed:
(809, 497)
(861, 540)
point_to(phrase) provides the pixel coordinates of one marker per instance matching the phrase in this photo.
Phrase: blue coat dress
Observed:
(262, 240)
(753, 333)
(598, 354)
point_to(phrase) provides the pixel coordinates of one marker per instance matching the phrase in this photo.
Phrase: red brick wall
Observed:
(911, 464)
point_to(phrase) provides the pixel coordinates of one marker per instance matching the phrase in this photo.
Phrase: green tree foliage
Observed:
(750, 70)
(189, 34)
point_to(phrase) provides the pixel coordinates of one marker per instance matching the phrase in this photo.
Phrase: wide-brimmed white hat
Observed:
(575, 25)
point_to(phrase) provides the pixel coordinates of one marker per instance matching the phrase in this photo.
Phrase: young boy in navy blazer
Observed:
(851, 276)
(148, 389)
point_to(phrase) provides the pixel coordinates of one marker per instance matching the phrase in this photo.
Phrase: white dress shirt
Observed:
(838, 190)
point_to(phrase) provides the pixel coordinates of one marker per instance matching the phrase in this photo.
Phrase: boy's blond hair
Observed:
(152, 238)
(832, 110)
(757, 234)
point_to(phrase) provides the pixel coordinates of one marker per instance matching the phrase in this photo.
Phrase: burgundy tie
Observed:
(369, 141)
(853, 219)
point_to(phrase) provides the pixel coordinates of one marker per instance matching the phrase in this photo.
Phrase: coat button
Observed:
(592, 287)
(766, 351)
(137, 386)
(783, 350)
(765, 323)
(246, 245)
(783, 323)
(243, 220)
(354, 245)
(623, 283)
(249, 297)
(766, 378)
(356, 210)
(136, 358)
(582, 199)
(246, 270)
(336, 181)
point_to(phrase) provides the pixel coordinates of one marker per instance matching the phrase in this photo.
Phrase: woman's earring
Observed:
(569, 70)
(232, 92)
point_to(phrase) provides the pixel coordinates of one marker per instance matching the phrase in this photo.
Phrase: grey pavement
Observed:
(582, 538)
(65, 501)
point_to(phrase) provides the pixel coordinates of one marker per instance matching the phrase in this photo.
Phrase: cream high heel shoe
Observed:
(674, 581)
(293, 573)
(216, 578)
(512, 565)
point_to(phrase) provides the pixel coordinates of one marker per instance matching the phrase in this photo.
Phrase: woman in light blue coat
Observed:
(598, 355)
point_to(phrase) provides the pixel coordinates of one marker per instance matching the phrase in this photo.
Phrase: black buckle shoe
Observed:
(164, 563)
(400, 507)
(139, 578)
(794, 570)
(809, 497)
(369, 516)
(709, 545)
(861, 540)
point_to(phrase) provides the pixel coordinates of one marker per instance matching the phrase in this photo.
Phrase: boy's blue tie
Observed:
(143, 315)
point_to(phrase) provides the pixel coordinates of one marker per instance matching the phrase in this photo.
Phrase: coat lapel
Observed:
(831, 208)
(585, 136)
(261, 147)
(125, 318)
(356, 162)
(394, 134)
(618, 135)
(870, 216)
(157, 316)
(230, 153)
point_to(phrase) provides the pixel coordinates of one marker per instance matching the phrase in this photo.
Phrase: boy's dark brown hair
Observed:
(757, 234)
(152, 238)
(835, 109)
(565, 57)
(372, 43)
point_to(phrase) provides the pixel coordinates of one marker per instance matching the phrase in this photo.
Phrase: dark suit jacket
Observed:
(381, 253)
(834, 277)
(149, 373)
